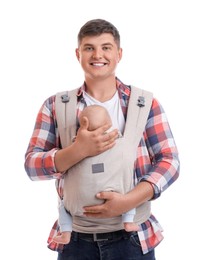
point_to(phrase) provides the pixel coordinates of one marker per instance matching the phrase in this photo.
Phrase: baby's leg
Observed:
(128, 219)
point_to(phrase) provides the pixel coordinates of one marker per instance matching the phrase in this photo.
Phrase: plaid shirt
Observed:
(157, 160)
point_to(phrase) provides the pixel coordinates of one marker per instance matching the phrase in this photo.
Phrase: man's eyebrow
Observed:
(107, 43)
(90, 44)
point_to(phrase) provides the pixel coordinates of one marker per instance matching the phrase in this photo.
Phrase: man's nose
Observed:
(97, 54)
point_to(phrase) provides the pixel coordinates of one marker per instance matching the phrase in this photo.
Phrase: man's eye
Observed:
(105, 48)
(88, 48)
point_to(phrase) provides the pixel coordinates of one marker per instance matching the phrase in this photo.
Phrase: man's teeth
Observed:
(98, 64)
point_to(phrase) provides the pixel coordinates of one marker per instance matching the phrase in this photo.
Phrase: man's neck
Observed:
(101, 90)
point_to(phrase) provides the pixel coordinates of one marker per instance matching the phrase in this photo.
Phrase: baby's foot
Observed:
(131, 226)
(63, 238)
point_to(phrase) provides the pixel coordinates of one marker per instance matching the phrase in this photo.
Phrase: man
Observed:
(156, 165)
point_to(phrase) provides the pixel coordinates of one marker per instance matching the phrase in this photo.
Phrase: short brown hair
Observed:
(96, 27)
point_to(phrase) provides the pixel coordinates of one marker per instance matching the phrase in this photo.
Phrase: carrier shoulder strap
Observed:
(138, 110)
(65, 108)
(140, 102)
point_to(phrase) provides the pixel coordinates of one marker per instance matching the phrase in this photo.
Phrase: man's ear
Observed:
(77, 54)
(120, 54)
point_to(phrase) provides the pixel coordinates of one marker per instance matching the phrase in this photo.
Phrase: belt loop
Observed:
(96, 239)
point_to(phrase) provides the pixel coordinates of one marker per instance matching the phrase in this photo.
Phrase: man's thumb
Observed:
(105, 195)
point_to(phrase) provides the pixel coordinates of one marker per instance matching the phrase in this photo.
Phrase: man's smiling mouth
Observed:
(97, 64)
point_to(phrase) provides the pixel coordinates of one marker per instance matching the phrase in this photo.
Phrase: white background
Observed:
(164, 44)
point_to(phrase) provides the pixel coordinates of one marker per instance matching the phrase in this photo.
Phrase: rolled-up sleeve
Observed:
(44, 143)
(163, 166)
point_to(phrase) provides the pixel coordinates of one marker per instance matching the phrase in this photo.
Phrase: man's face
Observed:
(99, 56)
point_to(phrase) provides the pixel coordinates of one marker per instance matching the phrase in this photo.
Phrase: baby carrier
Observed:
(112, 170)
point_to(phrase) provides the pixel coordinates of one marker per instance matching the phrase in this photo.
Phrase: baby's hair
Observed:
(97, 116)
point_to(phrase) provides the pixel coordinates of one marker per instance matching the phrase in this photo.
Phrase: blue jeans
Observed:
(124, 247)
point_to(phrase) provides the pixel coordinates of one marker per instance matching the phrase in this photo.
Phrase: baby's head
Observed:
(97, 116)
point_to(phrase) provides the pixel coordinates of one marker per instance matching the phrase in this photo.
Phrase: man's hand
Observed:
(91, 143)
(114, 205)
(87, 143)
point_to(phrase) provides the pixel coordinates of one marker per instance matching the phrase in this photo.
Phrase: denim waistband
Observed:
(94, 237)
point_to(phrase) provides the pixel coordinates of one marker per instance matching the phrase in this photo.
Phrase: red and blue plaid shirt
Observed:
(157, 160)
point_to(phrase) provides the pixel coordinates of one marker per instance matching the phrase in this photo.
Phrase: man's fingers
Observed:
(111, 136)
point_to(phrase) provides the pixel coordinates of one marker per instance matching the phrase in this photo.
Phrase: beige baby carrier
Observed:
(112, 170)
